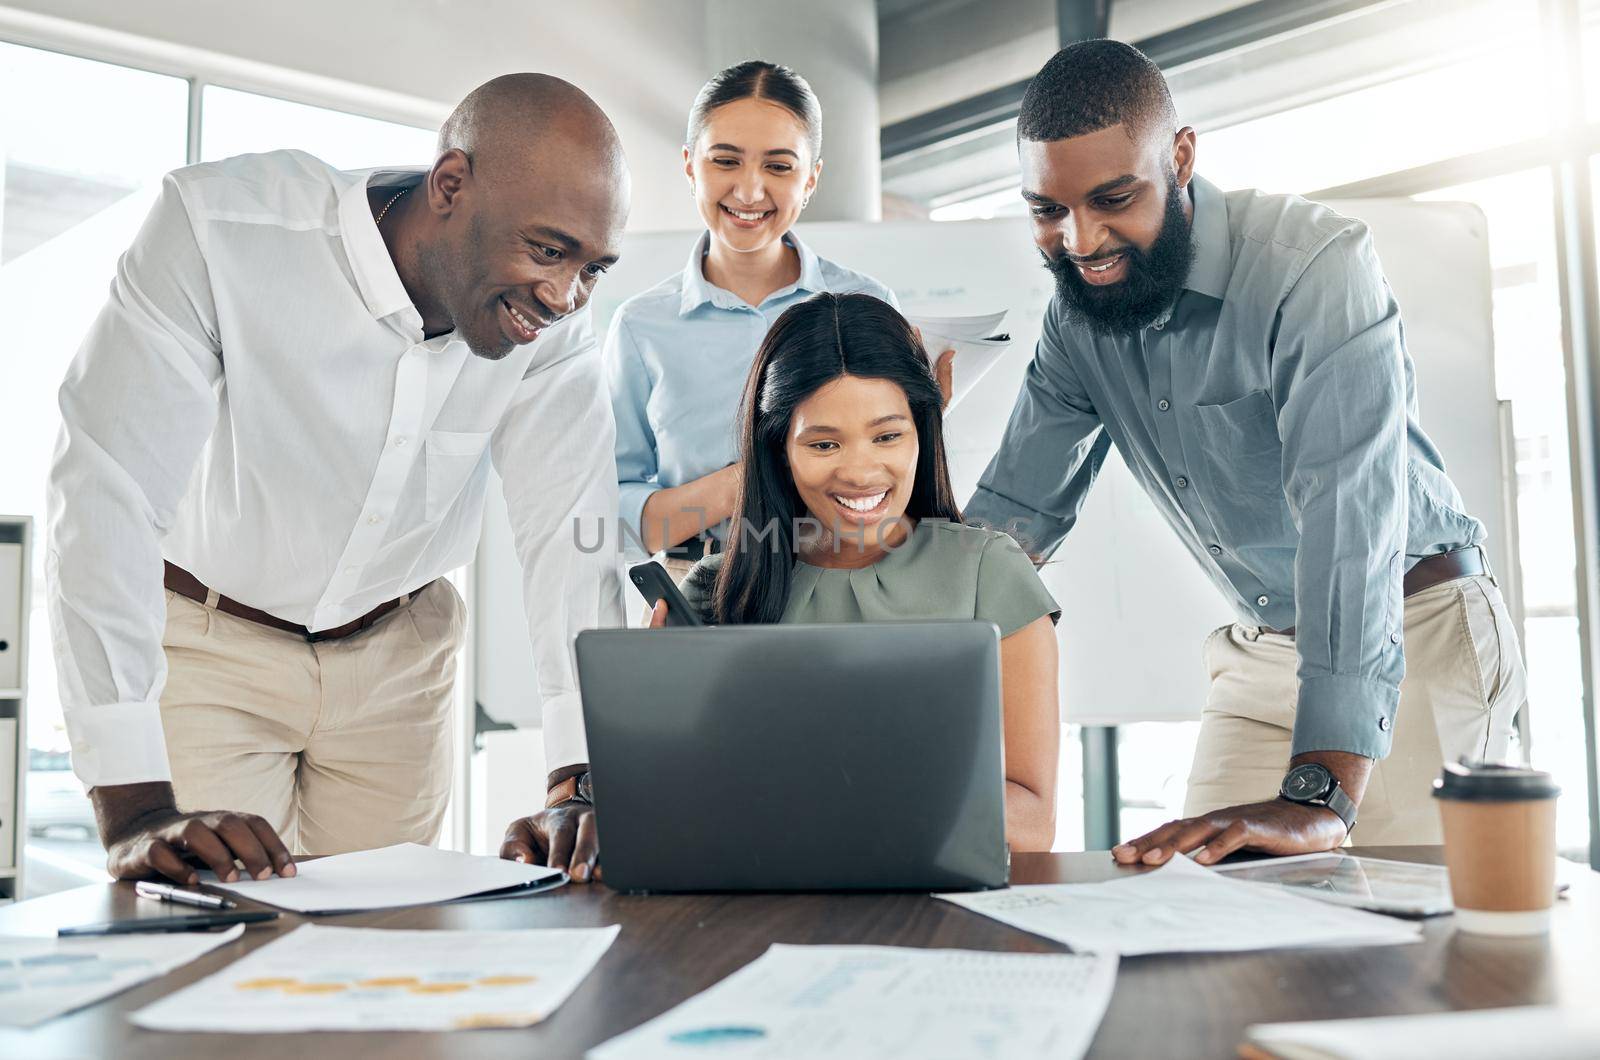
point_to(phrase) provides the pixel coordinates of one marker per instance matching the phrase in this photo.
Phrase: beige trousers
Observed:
(341, 744)
(1463, 686)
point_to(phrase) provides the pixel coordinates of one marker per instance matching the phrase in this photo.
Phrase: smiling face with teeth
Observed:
(751, 170)
(511, 231)
(852, 451)
(1110, 212)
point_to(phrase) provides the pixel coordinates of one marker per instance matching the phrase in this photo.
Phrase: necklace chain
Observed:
(391, 202)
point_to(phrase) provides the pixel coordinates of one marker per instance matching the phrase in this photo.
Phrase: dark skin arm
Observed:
(1275, 827)
(146, 835)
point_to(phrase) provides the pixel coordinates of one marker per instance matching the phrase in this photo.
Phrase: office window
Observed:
(85, 145)
(1591, 58)
(1153, 760)
(237, 123)
(1455, 110)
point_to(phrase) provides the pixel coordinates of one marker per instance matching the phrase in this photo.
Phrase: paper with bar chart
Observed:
(331, 978)
(41, 978)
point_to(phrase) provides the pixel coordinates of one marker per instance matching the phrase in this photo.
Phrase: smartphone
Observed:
(176, 922)
(654, 583)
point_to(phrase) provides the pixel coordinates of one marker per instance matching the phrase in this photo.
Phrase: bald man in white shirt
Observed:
(277, 438)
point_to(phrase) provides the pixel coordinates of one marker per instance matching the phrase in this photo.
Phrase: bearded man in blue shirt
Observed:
(1245, 355)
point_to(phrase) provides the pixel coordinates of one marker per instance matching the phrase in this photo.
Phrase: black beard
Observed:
(1155, 277)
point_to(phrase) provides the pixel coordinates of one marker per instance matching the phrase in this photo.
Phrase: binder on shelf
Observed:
(9, 803)
(12, 610)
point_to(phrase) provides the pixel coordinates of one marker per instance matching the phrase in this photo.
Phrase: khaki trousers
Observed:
(1463, 686)
(340, 744)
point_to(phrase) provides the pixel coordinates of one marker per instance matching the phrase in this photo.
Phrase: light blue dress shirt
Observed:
(1272, 417)
(676, 358)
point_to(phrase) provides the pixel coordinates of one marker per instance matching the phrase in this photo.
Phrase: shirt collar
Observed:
(370, 263)
(1213, 244)
(697, 290)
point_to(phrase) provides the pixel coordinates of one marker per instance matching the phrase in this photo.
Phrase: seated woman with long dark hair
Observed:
(846, 515)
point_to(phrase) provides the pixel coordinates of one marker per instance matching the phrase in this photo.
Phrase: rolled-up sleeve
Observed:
(628, 384)
(137, 405)
(1339, 384)
(553, 449)
(1051, 453)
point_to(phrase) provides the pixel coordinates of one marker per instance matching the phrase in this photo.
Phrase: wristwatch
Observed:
(1314, 785)
(579, 789)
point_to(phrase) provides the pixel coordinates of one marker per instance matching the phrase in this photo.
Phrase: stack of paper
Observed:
(978, 343)
(406, 874)
(345, 979)
(1181, 907)
(883, 1002)
(1485, 1034)
(41, 978)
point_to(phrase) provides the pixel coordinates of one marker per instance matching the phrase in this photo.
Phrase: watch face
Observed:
(1305, 782)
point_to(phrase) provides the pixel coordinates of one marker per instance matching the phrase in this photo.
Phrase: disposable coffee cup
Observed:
(1500, 846)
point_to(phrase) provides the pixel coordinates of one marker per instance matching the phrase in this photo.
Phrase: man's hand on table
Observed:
(1277, 826)
(563, 837)
(146, 835)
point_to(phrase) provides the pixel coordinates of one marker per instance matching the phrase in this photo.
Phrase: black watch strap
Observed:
(1337, 801)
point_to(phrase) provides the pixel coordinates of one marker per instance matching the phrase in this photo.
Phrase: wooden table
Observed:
(671, 947)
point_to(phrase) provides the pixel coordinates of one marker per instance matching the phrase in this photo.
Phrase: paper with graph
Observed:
(345, 979)
(1181, 907)
(885, 1003)
(977, 340)
(41, 978)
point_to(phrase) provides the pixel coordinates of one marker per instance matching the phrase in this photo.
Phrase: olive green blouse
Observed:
(943, 570)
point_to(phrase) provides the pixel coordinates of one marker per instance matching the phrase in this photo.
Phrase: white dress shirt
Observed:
(257, 403)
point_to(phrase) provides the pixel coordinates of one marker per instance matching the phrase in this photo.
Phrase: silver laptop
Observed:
(796, 757)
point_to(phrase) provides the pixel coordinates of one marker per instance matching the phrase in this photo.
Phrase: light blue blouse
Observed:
(676, 358)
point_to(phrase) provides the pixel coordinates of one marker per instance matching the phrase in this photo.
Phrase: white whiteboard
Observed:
(1136, 606)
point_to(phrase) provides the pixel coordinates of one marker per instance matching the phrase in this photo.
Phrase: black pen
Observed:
(165, 892)
(194, 922)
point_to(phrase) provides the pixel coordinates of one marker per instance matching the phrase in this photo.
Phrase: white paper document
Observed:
(405, 874)
(885, 1002)
(362, 979)
(978, 343)
(1181, 907)
(1483, 1034)
(41, 978)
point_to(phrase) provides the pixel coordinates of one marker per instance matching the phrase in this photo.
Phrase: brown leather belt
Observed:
(183, 583)
(1428, 572)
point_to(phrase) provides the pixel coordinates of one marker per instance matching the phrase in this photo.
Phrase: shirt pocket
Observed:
(453, 458)
(1244, 466)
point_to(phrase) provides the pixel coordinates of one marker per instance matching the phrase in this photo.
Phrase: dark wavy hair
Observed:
(812, 344)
